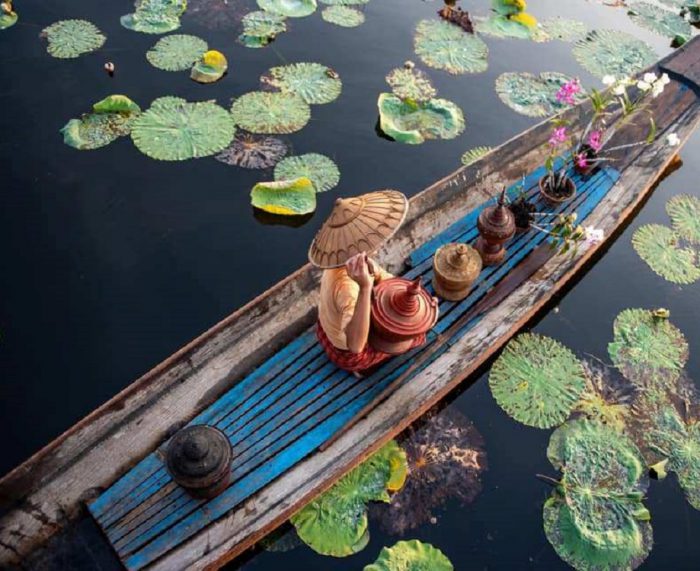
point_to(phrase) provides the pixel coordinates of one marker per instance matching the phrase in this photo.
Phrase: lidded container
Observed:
(402, 310)
(456, 267)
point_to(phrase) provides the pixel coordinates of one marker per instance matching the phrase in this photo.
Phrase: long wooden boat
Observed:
(260, 376)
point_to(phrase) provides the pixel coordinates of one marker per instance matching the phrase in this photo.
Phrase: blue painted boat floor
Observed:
(293, 403)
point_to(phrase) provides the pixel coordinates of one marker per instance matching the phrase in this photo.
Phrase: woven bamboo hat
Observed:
(359, 224)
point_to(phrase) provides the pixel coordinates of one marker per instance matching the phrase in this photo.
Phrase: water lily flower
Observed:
(558, 136)
(609, 80)
(595, 140)
(673, 140)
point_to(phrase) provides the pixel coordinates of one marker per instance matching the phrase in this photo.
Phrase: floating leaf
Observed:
(344, 2)
(407, 82)
(116, 104)
(343, 16)
(659, 20)
(612, 52)
(443, 45)
(72, 38)
(561, 29)
(411, 555)
(537, 381)
(319, 169)
(211, 67)
(508, 7)
(110, 119)
(684, 211)
(533, 95)
(175, 130)
(260, 28)
(253, 151)
(659, 247)
(412, 123)
(335, 523)
(289, 8)
(473, 155)
(595, 518)
(313, 82)
(502, 27)
(8, 17)
(177, 52)
(290, 197)
(155, 16)
(649, 351)
(270, 113)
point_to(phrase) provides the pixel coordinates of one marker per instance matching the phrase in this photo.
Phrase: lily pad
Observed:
(177, 52)
(211, 67)
(537, 381)
(72, 38)
(319, 169)
(291, 197)
(335, 523)
(343, 16)
(443, 45)
(116, 104)
(508, 7)
(660, 248)
(413, 123)
(8, 17)
(260, 28)
(503, 27)
(407, 82)
(533, 95)
(613, 52)
(155, 16)
(595, 518)
(659, 20)
(289, 8)
(411, 555)
(270, 113)
(313, 82)
(110, 119)
(649, 351)
(561, 29)
(684, 211)
(253, 151)
(175, 130)
(473, 155)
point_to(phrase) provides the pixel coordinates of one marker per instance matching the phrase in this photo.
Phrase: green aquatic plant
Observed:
(211, 67)
(173, 129)
(503, 27)
(155, 16)
(260, 28)
(290, 197)
(413, 123)
(684, 211)
(661, 249)
(473, 155)
(595, 518)
(8, 16)
(270, 113)
(561, 29)
(508, 7)
(650, 351)
(313, 82)
(411, 555)
(534, 95)
(613, 52)
(177, 52)
(289, 8)
(72, 38)
(410, 83)
(343, 16)
(659, 20)
(110, 119)
(116, 104)
(335, 523)
(537, 381)
(319, 169)
(443, 45)
(253, 151)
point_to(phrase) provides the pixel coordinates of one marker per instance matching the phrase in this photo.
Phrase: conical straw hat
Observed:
(359, 224)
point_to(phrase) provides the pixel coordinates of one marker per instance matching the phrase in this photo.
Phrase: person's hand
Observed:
(358, 269)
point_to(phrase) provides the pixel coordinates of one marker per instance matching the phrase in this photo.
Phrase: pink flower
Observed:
(581, 160)
(558, 136)
(568, 91)
(595, 141)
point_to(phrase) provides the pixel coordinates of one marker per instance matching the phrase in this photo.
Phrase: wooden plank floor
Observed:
(289, 406)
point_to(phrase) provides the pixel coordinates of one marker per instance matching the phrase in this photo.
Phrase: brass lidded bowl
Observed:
(456, 267)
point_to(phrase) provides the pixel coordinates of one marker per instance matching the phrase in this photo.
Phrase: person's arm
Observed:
(357, 330)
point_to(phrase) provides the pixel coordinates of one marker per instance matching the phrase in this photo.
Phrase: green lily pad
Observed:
(116, 104)
(649, 351)
(503, 27)
(684, 211)
(155, 16)
(110, 119)
(343, 16)
(533, 95)
(659, 20)
(613, 52)
(270, 113)
(8, 19)
(335, 523)
(177, 52)
(537, 381)
(413, 123)
(175, 130)
(313, 82)
(319, 169)
(561, 29)
(507, 7)
(211, 67)
(72, 38)
(595, 518)
(407, 82)
(291, 197)
(253, 151)
(473, 155)
(411, 555)
(289, 8)
(260, 28)
(660, 248)
(443, 45)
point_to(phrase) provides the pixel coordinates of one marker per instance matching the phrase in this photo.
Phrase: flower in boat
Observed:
(567, 92)
(595, 140)
(581, 160)
(593, 235)
(609, 80)
(673, 140)
(558, 136)
(658, 87)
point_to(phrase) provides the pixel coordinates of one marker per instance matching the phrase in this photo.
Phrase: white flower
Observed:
(643, 85)
(673, 140)
(649, 77)
(665, 79)
(619, 89)
(609, 80)
(593, 235)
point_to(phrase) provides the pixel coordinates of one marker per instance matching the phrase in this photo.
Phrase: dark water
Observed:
(112, 261)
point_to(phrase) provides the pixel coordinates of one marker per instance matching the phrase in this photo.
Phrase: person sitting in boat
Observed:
(356, 227)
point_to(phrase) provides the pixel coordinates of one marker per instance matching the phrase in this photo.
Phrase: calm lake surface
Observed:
(112, 261)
